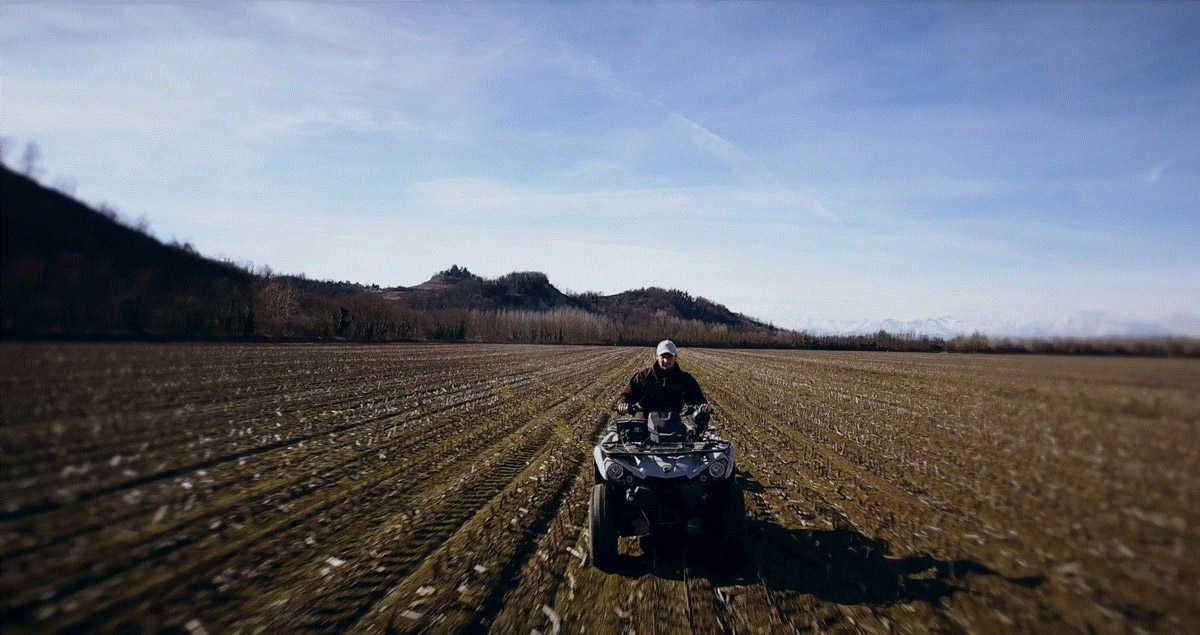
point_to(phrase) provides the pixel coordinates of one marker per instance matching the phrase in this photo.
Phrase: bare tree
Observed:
(276, 306)
(109, 211)
(31, 160)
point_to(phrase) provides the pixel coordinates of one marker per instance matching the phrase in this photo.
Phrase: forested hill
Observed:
(670, 302)
(457, 287)
(42, 224)
(70, 270)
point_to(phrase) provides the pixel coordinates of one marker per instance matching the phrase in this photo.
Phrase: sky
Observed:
(825, 166)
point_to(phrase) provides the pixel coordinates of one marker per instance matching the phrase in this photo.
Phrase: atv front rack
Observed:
(704, 446)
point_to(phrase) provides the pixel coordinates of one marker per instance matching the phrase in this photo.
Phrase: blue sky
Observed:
(816, 165)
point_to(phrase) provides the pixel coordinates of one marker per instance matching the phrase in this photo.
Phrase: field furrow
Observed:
(444, 489)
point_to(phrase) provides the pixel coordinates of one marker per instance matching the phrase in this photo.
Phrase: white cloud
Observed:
(1154, 174)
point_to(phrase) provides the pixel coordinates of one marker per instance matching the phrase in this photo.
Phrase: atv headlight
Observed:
(717, 469)
(613, 472)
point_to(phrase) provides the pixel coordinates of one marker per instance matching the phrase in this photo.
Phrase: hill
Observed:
(42, 224)
(672, 303)
(457, 288)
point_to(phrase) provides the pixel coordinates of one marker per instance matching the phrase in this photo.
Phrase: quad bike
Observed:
(666, 475)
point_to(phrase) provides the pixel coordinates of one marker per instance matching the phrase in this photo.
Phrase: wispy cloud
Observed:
(685, 129)
(1154, 174)
(325, 121)
(708, 141)
(481, 199)
(602, 77)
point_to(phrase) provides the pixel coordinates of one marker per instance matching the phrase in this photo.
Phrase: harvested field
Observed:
(443, 488)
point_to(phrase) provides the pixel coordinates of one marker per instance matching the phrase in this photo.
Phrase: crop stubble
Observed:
(438, 488)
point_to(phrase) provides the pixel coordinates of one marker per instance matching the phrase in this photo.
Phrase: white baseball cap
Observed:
(666, 346)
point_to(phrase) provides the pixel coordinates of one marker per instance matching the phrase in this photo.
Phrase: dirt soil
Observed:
(197, 488)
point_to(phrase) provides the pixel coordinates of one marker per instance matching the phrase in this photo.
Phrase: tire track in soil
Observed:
(665, 598)
(332, 610)
(340, 609)
(761, 604)
(515, 525)
(549, 579)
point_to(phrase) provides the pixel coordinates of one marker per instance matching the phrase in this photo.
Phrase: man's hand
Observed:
(623, 408)
(705, 408)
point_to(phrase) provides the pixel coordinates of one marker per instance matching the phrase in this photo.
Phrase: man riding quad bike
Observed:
(665, 474)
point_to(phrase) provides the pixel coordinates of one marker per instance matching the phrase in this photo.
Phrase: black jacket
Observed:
(656, 389)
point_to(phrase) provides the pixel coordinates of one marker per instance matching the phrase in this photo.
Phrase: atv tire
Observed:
(602, 515)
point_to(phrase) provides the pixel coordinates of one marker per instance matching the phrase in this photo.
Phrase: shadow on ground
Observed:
(844, 566)
(839, 565)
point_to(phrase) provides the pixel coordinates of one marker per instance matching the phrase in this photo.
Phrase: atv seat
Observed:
(632, 430)
(666, 427)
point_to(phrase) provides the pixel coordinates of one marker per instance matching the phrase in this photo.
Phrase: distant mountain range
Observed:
(1082, 325)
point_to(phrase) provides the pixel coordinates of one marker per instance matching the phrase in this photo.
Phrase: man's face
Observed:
(666, 360)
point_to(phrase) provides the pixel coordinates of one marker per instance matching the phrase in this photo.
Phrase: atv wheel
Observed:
(730, 526)
(603, 524)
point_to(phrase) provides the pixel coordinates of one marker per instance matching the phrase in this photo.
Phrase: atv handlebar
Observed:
(699, 425)
(687, 410)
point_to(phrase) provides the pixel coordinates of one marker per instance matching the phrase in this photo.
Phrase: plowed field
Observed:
(422, 488)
